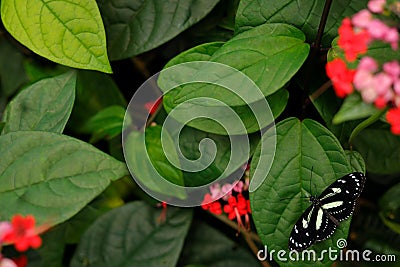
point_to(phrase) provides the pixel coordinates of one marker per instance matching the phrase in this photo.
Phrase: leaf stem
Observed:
(364, 124)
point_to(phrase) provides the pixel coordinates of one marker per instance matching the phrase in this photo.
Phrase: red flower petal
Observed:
(393, 117)
(23, 234)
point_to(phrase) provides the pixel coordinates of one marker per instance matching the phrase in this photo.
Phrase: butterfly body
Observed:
(334, 205)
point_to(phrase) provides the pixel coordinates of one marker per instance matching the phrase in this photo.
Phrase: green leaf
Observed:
(197, 83)
(201, 52)
(189, 142)
(106, 123)
(145, 157)
(94, 92)
(304, 14)
(134, 27)
(300, 147)
(43, 106)
(380, 150)
(37, 71)
(51, 176)
(354, 108)
(67, 32)
(131, 236)
(269, 54)
(12, 74)
(156, 150)
(206, 246)
(390, 208)
(356, 161)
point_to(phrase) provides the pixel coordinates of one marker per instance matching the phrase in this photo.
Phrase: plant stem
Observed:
(364, 124)
(234, 225)
(248, 236)
(320, 90)
(322, 24)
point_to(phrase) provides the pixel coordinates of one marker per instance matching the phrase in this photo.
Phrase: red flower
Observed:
(151, 107)
(22, 261)
(353, 43)
(23, 234)
(341, 77)
(393, 117)
(237, 206)
(211, 205)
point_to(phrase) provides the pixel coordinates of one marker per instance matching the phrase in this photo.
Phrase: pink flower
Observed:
(382, 83)
(4, 262)
(392, 37)
(377, 29)
(215, 190)
(238, 187)
(396, 86)
(226, 191)
(369, 95)
(5, 227)
(396, 100)
(376, 6)
(368, 63)
(362, 18)
(392, 68)
(363, 79)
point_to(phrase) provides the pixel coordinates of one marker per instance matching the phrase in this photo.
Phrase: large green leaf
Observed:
(51, 176)
(12, 74)
(228, 80)
(43, 106)
(136, 26)
(380, 150)
(279, 201)
(206, 246)
(269, 55)
(67, 32)
(130, 236)
(304, 14)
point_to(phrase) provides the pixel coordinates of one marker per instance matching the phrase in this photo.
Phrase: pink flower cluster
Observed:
(378, 84)
(229, 199)
(378, 87)
(377, 29)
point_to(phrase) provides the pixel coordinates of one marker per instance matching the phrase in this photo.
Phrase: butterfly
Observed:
(335, 204)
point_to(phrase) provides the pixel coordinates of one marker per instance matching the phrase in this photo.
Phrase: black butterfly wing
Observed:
(325, 226)
(339, 198)
(335, 204)
(304, 234)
